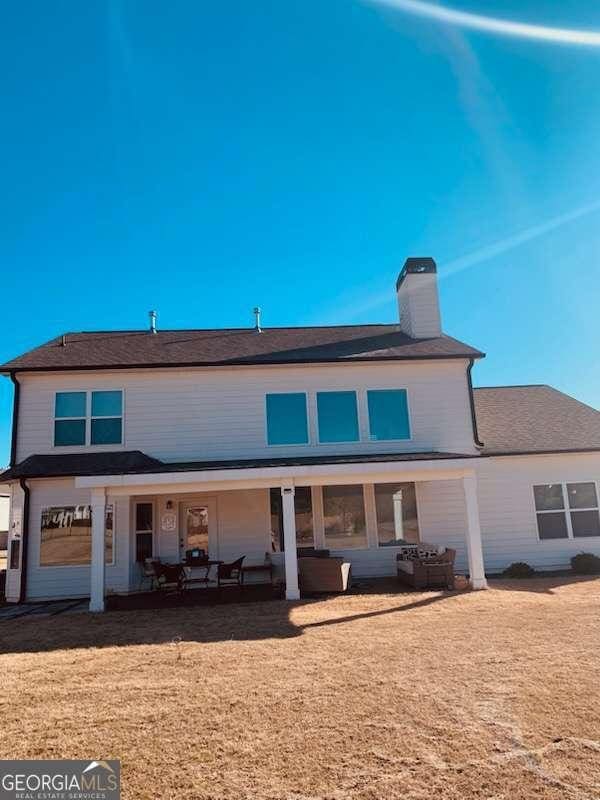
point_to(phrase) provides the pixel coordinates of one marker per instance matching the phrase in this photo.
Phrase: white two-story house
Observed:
(132, 444)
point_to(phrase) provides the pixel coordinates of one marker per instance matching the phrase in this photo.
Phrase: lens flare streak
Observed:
(504, 27)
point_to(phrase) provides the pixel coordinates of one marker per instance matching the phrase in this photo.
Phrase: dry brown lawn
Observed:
(480, 695)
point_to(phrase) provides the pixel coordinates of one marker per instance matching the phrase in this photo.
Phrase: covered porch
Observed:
(362, 512)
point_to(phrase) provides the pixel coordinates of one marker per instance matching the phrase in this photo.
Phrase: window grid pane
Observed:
(548, 497)
(287, 421)
(107, 404)
(337, 417)
(585, 523)
(552, 525)
(143, 546)
(106, 431)
(68, 432)
(582, 495)
(143, 517)
(69, 404)
(388, 414)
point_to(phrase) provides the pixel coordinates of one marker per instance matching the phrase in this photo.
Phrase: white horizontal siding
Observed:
(220, 413)
(443, 517)
(507, 512)
(419, 307)
(241, 529)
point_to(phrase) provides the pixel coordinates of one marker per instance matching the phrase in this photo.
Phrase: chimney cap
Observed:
(152, 315)
(416, 266)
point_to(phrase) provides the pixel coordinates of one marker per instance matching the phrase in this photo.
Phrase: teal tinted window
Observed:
(388, 414)
(69, 404)
(338, 416)
(69, 432)
(286, 419)
(106, 404)
(106, 431)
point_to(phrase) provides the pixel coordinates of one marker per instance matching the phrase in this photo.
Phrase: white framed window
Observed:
(88, 418)
(337, 417)
(286, 418)
(388, 415)
(567, 510)
(66, 536)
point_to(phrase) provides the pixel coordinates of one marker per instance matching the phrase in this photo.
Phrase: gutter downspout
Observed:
(478, 442)
(15, 418)
(24, 540)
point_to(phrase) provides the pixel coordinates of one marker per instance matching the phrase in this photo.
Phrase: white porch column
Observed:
(474, 548)
(292, 591)
(98, 567)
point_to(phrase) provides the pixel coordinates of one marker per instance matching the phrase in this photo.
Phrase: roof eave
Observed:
(11, 369)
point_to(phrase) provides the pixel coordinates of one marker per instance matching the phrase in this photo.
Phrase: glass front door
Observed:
(196, 529)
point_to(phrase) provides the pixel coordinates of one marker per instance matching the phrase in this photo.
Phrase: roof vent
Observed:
(257, 327)
(152, 315)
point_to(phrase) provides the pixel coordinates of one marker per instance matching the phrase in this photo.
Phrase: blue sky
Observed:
(202, 158)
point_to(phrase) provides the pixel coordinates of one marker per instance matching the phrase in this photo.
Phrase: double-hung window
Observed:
(337, 417)
(82, 418)
(106, 418)
(565, 511)
(583, 505)
(388, 414)
(287, 418)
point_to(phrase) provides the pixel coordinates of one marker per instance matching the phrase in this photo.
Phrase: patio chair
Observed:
(427, 571)
(230, 574)
(169, 577)
(322, 574)
(149, 572)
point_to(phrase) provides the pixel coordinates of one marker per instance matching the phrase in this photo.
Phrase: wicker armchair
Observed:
(427, 572)
(317, 574)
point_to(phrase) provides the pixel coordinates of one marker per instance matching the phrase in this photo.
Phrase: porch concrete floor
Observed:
(205, 596)
(356, 697)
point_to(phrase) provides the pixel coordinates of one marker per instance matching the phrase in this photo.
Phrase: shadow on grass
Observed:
(540, 583)
(228, 622)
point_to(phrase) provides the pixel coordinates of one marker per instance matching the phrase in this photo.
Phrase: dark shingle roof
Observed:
(534, 419)
(236, 346)
(134, 462)
(71, 464)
